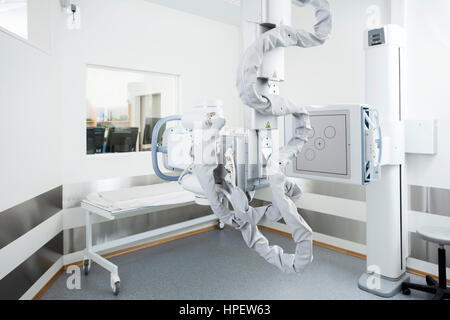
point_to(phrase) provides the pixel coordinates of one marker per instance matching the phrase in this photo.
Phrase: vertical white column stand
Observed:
(386, 199)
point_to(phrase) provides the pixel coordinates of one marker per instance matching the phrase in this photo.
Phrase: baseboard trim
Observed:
(148, 244)
(344, 251)
(349, 252)
(48, 284)
(318, 243)
(424, 274)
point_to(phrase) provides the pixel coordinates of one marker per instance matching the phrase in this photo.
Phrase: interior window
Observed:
(123, 107)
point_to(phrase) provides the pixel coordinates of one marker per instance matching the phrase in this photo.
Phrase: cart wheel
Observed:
(221, 225)
(116, 288)
(406, 291)
(86, 266)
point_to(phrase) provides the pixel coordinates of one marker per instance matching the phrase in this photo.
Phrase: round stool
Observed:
(441, 236)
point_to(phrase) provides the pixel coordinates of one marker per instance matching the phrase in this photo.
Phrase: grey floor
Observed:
(217, 265)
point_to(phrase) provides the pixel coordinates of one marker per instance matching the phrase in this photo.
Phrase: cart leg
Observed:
(115, 283)
(111, 267)
(86, 265)
(91, 255)
(87, 260)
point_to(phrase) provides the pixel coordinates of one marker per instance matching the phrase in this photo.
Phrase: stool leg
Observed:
(430, 281)
(420, 287)
(447, 295)
(442, 268)
(439, 295)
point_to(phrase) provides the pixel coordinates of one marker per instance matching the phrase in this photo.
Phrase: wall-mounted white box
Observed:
(421, 136)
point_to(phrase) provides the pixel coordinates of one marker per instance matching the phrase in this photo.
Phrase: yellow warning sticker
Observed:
(274, 75)
(268, 125)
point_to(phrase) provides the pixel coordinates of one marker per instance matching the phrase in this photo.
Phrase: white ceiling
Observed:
(226, 11)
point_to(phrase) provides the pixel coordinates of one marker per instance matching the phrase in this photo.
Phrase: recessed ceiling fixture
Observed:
(235, 2)
(238, 2)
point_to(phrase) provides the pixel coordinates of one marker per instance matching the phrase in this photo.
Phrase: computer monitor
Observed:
(148, 131)
(95, 139)
(122, 139)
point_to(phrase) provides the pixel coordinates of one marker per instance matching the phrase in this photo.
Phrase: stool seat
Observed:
(439, 235)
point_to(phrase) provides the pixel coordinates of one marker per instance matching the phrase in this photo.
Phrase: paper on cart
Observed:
(138, 197)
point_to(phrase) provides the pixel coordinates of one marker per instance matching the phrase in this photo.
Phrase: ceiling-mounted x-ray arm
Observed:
(268, 104)
(284, 192)
(216, 187)
(282, 36)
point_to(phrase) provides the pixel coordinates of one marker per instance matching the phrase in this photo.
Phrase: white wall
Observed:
(428, 83)
(332, 73)
(138, 35)
(30, 125)
(40, 17)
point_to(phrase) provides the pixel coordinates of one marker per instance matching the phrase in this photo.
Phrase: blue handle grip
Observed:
(156, 148)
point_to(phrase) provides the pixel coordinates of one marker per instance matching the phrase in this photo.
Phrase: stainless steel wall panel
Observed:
(18, 281)
(334, 226)
(74, 193)
(18, 220)
(74, 239)
(330, 225)
(426, 251)
(430, 200)
(338, 190)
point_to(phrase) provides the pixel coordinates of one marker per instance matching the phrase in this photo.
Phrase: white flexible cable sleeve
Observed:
(282, 36)
(246, 218)
(283, 206)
